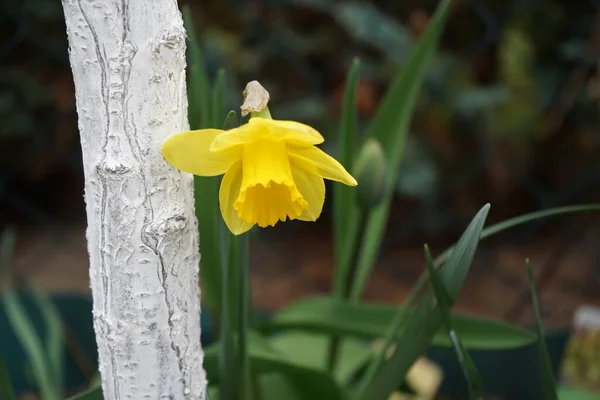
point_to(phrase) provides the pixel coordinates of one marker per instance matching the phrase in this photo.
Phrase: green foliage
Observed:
(6, 389)
(345, 209)
(204, 113)
(547, 376)
(390, 127)
(379, 382)
(327, 315)
(45, 358)
(310, 383)
(476, 390)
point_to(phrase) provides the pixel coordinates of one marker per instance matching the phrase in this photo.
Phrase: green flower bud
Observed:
(370, 170)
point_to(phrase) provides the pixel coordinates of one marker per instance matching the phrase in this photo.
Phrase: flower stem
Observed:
(335, 340)
(244, 307)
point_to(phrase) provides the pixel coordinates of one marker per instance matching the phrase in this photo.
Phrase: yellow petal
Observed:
(189, 152)
(234, 138)
(292, 132)
(312, 189)
(315, 161)
(228, 194)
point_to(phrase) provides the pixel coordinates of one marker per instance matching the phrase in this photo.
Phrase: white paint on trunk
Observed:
(128, 61)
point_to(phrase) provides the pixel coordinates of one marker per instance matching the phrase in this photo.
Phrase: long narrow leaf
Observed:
(426, 320)
(504, 225)
(546, 374)
(310, 350)
(476, 389)
(23, 327)
(218, 102)
(93, 393)
(198, 88)
(25, 331)
(330, 316)
(390, 127)
(345, 218)
(206, 188)
(6, 389)
(54, 342)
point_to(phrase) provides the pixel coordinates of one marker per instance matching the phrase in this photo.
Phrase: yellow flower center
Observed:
(268, 193)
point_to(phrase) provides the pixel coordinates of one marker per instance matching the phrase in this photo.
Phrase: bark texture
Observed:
(128, 61)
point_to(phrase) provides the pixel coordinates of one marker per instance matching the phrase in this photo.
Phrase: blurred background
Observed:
(509, 115)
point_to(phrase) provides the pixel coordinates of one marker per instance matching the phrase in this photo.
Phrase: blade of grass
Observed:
(218, 103)
(345, 209)
(6, 389)
(93, 393)
(18, 319)
(231, 121)
(425, 321)
(390, 127)
(474, 381)
(24, 329)
(53, 324)
(199, 87)
(546, 375)
(205, 188)
(332, 316)
(501, 226)
(201, 115)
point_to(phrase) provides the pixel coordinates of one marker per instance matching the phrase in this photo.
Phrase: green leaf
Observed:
(231, 121)
(426, 320)
(345, 209)
(23, 327)
(474, 381)
(572, 393)
(206, 197)
(367, 24)
(206, 204)
(276, 386)
(25, 331)
(328, 315)
(93, 393)
(390, 126)
(218, 103)
(546, 375)
(311, 383)
(199, 86)
(6, 389)
(310, 350)
(53, 324)
(501, 226)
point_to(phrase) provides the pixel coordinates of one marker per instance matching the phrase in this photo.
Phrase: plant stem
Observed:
(334, 344)
(244, 307)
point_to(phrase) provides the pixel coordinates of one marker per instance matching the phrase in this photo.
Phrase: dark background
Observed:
(508, 115)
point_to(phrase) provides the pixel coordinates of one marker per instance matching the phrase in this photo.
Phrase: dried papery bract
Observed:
(128, 61)
(256, 98)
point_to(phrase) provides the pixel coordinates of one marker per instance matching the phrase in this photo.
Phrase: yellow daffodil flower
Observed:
(273, 171)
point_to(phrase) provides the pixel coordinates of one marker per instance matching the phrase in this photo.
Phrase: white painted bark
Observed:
(128, 61)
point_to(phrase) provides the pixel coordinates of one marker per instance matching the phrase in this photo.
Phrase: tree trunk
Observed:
(128, 61)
